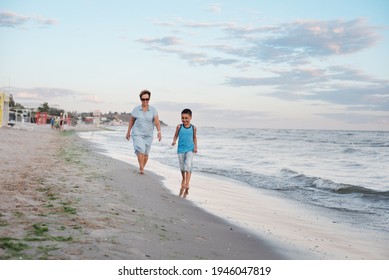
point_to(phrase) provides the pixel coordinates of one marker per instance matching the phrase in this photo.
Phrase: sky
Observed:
(298, 64)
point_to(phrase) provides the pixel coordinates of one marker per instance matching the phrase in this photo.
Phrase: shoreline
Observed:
(298, 231)
(65, 200)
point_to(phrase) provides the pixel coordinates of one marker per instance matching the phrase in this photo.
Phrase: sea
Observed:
(341, 174)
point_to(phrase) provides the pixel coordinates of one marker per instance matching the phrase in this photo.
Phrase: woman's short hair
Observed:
(145, 91)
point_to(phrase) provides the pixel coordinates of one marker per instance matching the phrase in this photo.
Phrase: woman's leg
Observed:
(141, 162)
(145, 159)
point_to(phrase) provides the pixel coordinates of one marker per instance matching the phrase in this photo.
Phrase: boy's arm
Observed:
(175, 135)
(195, 139)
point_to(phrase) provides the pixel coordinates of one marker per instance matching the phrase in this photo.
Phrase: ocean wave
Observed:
(288, 171)
(349, 150)
(341, 188)
(317, 183)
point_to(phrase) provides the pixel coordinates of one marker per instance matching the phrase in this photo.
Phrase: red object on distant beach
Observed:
(41, 118)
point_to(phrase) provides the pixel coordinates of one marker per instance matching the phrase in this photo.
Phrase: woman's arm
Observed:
(130, 125)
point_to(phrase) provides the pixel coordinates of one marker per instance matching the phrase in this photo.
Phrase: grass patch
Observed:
(61, 238)
(40, 180)
(69, 210)
(67, 133)
(44, 251)
(13, 248)
(52, 196)
(48, 238)
(40, 229)
(18, 214)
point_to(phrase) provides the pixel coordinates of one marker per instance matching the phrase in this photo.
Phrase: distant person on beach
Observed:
(61, 122)
(186, 133)
(141, 127)
(56, 123)
(52, 122)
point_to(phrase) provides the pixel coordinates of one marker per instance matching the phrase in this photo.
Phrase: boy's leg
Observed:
(182, 189)
(187, 180)
(183, 182)
(181, 165)
(188, 171)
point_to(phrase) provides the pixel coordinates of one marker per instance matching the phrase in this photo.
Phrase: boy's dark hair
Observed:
(187, 111)
(145, 92)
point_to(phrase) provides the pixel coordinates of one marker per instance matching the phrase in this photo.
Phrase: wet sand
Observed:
(61, 199)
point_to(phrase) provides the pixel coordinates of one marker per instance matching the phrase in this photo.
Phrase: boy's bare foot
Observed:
(182, 191)
(186, 192)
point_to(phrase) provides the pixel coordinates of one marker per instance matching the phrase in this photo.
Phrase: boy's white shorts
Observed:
(186, 161)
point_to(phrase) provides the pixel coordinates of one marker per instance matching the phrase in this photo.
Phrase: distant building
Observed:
(96, 117)
(4, 109)
(21, 115)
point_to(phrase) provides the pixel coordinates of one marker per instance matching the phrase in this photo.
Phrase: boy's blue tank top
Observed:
(185, 139)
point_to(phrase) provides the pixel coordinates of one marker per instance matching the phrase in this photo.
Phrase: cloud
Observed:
(297, 42)
(206, 24)
(11, 19)
(357, 98)
(335, 85)
(215, 9)
(323, 38)
(196, 58)
(68, 98)
(164, 23)
(291, 43)
(92, 99)
(164, 41)
(45, 21)
(206, 115)
(43, 92)
(34, 97)
(26, 95)
(357, 118)
(298, 78)
(192, 57)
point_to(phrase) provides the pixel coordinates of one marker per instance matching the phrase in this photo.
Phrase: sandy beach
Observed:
(60, 199)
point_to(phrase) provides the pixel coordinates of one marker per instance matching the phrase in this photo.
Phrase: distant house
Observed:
(4, 109)
(88, 120)
(96, 117)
